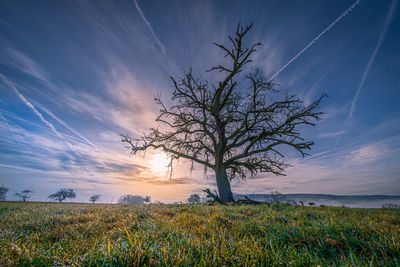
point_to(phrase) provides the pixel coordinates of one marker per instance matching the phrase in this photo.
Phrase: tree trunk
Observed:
(224, 187)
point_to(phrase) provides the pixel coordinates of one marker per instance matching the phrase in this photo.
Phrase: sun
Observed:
(159, 163)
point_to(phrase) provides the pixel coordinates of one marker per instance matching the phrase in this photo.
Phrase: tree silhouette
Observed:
(3, 193)
(24, 195)
(236, 126)
(147, 199)
(193, 199)
(94, 198)
(63, 194)
(131, 199)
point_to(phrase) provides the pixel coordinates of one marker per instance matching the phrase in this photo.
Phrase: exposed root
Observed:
(214, 197)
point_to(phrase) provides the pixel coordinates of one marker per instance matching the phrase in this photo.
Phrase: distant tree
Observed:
(193, 199)
(131, 199)
(237, 125)
(147, 199)
(277, 196)
(311, 203)
(24, 195)
(63, 194)
(94, 198)
(3, 193)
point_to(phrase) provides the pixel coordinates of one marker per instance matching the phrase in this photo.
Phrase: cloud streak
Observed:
(110, 34)
(162, 47)
(29, 104)
(371, 60)
(344, 14)
(66, 126)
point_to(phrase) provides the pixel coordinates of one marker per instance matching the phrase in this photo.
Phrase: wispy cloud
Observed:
(109, 33)
(308, 96)
(6, 123)
(365, 154)
(60, 121)
(331, 134)
(29, 104)
(25, 64)
(162, 47)
(251, 12)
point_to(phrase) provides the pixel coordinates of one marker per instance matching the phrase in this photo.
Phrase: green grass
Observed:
(188, 235)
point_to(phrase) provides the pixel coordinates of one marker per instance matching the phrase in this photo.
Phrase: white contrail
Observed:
(162, 47)
(311, 43)
(7, 124)
(110, 34)
(251, 12)
(5, 121)
(29, 104)
(60, 121)
(373, 55)
(371, 60)
(344, 14)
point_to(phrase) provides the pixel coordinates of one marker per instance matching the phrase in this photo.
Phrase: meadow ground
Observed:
(188, 235)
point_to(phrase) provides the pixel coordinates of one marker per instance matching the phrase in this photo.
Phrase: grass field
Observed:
(187, 235)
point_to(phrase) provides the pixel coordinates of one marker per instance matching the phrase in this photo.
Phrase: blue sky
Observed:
(76, 74)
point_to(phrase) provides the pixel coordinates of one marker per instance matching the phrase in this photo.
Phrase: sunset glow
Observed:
(159, 163)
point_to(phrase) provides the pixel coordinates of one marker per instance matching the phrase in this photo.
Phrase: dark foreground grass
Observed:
(189, 235)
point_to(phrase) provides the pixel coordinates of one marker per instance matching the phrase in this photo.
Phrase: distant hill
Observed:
(360, 201)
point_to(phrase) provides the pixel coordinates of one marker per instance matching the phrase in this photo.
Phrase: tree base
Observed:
(216, 199)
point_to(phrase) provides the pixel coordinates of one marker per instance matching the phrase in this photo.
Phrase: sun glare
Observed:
(159, 163)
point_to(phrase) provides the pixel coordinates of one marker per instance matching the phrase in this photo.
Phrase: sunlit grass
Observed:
(83, 235)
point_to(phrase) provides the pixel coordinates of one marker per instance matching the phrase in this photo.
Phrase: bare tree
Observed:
(147, 199)
(94, 198)
(193, 199)
(236, 126)
(63, 194)
(24, 195)
(3, 192)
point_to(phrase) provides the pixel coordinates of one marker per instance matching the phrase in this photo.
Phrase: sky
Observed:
(74, 75)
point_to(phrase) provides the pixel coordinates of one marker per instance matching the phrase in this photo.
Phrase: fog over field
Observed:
(366, 201)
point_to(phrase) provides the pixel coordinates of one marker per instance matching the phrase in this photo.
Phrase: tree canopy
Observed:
(24, 195)
(94, 198)
(237, 126)
(3, 193)
(131, 199)
(194, 198)
(63, 194)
